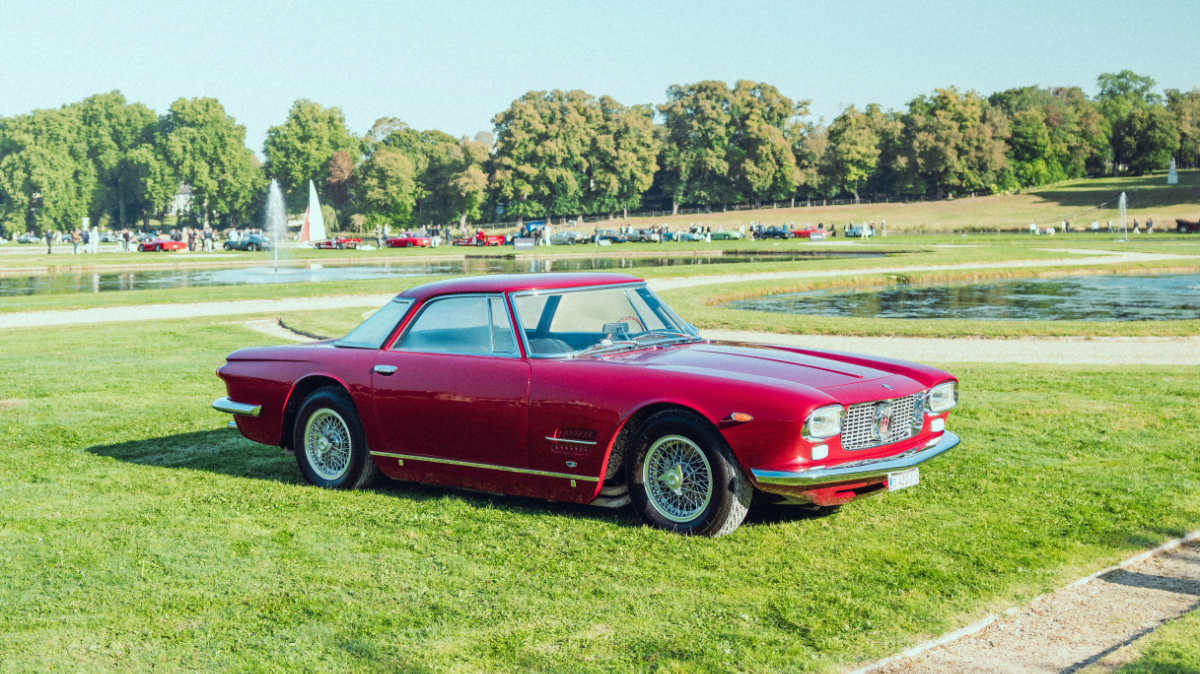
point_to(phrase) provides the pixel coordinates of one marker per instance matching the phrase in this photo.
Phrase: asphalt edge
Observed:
(990, 618)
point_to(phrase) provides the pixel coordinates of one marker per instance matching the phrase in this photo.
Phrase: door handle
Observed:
(385, 370)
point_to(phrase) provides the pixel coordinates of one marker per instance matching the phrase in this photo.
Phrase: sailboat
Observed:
(313, 228)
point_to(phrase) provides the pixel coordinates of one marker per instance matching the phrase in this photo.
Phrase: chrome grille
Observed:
(860, 430)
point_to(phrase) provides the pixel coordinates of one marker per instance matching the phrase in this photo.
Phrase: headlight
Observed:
(824, 422)
(942, 398)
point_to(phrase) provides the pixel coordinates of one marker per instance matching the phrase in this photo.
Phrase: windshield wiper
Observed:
(655, 336)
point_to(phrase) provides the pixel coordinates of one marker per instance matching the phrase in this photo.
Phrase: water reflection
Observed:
(1078, 298)
(100, 281)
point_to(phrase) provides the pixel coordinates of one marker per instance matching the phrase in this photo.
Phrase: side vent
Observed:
(572, 441)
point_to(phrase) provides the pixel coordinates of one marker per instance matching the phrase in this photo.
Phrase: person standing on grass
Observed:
(49, 238)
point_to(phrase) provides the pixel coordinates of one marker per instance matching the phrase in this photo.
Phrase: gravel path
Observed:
(156, 312)
(1082, 625)
(1045, 350)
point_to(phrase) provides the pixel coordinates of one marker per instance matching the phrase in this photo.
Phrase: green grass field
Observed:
(139, 532)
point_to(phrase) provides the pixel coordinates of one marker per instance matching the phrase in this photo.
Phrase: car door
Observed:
(454, 386)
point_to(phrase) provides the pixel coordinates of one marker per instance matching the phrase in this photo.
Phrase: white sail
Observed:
(314, 223)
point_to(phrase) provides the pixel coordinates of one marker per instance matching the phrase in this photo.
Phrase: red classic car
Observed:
(481, 239)
(588, 388)
(338, 243)
(409, 242)
(158, 245)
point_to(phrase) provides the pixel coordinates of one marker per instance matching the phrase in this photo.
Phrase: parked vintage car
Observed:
(684, 236)
(251, 242)
(409, 242)
(726, 235)
(644, 236)
(28, 238)
(566, 237)
(587, 388)
(338, 243)
(610, 235)
(1187, 226)
(159, 245)
(773, 232)
(481, 239)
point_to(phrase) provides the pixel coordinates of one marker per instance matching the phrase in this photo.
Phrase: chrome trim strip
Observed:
(231, 407)
(486, 466)
(570, 441)
(858, 470)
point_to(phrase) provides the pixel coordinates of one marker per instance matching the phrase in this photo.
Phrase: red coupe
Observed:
(157, 245)
(409, 242)
(588, 388)
(481, 239)
(338, 243)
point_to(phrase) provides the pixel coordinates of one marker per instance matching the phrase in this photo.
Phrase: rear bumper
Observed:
(858, 471)
(232, 407)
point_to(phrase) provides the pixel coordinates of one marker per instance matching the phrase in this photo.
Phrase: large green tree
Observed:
(623, 157)
(696, 155)
(385, 188)
(541, 161)
(762, 166)
(1185, 106)
(853, 152)
(111, 128)
(47, 180)
(300, 149)
(1121, 95)
(205, 148)
(952, 142)
(1146, 139)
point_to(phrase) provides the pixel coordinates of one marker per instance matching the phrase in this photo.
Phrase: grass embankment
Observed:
(1172, 649)
(138, 532)
(1078, 201)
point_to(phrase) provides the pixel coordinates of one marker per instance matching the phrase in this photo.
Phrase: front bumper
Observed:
(232, 407)
(858, 471)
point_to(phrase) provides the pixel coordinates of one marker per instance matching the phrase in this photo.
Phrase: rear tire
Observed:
(330, 447)
(682, 477)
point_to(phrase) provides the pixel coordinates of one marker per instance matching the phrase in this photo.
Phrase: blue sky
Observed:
(453, 65)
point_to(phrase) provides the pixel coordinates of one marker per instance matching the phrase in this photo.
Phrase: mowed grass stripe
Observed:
(138, 532)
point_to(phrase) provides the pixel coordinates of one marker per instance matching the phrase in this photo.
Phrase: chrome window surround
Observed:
(691, 329)
(515, 353)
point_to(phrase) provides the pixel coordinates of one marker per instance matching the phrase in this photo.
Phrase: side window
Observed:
(502, 334)
(464, 325)
(451, 325)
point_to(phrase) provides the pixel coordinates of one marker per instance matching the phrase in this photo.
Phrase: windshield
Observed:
(584, 320)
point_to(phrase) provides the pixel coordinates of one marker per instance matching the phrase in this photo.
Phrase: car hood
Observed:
(829, 372)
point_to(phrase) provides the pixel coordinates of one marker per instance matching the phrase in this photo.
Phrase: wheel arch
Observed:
(623, 440)
(299, 393)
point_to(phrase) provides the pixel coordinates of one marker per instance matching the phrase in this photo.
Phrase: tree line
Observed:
(568, 153)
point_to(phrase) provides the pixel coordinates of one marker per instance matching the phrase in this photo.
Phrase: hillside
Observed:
(1079, 201)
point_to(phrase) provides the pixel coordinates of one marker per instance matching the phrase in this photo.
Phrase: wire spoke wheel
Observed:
(678, 478)
(327, 444)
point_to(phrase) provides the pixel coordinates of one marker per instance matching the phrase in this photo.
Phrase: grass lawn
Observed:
(138, 532)
(1172, 649)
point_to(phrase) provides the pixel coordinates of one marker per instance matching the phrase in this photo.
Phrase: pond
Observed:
(1075, 298)
(106, 281)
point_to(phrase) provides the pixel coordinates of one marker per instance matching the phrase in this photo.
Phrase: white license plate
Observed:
(905, 478)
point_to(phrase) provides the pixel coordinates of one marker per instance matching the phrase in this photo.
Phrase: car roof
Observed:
(498, 283)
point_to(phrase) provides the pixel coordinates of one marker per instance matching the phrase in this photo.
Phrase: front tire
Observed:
(683, 477)
(329, 444)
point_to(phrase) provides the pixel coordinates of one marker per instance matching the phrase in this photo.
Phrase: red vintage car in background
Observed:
(808, 232)
(481, 239)
(409, 242)
(158, 245)
(338, 243)
(587, 388)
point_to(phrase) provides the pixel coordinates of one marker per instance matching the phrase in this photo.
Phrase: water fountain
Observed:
(275, 225)
(1121, 203)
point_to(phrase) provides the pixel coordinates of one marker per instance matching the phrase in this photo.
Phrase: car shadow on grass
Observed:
(225, 452)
